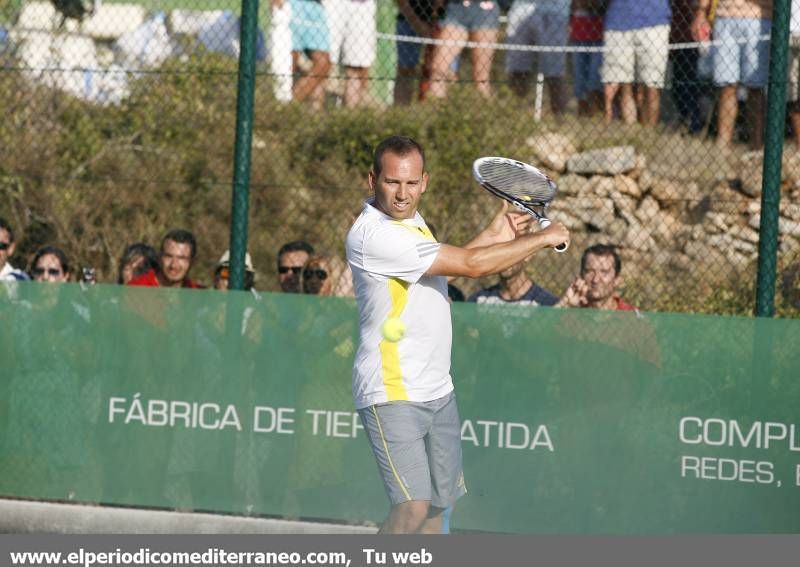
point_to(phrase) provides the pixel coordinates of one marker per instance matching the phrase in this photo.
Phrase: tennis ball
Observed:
(393, 329)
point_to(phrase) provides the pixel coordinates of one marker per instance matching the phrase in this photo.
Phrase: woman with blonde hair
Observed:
(327, 275)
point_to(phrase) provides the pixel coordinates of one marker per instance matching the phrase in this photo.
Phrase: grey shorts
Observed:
(418, 449)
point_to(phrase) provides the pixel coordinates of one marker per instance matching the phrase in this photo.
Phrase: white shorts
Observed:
(636, 56)
(353, 31)
(530, 25)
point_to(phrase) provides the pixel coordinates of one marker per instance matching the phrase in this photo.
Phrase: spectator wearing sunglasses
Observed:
(7, 248)
(317, 276)
(292, 258)
(222, 272)
(50, 265)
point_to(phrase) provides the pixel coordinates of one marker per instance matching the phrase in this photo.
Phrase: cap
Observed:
(248, 261)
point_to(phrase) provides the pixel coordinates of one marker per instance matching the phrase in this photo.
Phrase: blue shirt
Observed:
(624, 15)
(534, 297)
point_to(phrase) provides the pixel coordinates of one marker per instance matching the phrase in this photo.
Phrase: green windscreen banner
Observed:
(573, 421)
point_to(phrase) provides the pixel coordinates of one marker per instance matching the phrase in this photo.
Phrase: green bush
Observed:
(94, 179)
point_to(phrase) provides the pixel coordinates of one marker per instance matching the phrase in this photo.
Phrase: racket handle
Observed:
(544, 223)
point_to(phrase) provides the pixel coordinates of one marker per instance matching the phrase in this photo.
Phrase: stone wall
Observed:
(611, 195)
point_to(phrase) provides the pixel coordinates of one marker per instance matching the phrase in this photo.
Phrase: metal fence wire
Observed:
(118, 125)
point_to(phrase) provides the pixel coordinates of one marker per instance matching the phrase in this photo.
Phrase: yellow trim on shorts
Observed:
(388, 456)
(390, 351)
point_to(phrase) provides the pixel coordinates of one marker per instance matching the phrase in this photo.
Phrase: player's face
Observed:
(400, 185)
(176, 259)
(600, 278)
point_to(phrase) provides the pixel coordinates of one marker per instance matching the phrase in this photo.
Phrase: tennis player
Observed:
(402, 388)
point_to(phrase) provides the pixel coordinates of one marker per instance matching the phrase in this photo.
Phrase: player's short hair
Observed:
(602, 250)
(295, 246)
(181, 237)
(398, 145)
(7, 227)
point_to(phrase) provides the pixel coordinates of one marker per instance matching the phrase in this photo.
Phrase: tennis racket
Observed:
(522, 185)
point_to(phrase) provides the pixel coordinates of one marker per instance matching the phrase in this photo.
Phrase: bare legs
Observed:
(355, 90)
(444, 55)
(647, 109)
(415, 516)
(627, 102)
(311, 84)
(726, 116)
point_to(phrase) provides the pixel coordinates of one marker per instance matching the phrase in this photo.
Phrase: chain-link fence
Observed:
(119, 120)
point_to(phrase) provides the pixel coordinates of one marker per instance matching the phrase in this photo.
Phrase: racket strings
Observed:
(519, 182)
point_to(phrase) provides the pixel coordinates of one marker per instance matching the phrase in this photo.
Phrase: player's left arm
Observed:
(505, 226)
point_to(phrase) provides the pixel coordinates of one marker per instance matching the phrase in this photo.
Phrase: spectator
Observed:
(415, 18)
(137, 260)
(7, 248)
(740, 56)
(514, 287)
(353, 42)
(50, 264)
(794, 71)
(790, 284)
(318, 276)
(599, 281)
(454, 294)
(280, 49)
(685, 76)
(473, 20)
(292, 258)
(586, 30)
(222, 272)
(636, 39)
(178, 251)
(310, 34)
(539, 22)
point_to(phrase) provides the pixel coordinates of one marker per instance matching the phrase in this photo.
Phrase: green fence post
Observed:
(773, 151)
(244, 138)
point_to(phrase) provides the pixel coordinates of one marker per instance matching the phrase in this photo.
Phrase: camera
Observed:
(89, 276)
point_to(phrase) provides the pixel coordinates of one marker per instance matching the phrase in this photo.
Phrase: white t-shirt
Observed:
(389, 259)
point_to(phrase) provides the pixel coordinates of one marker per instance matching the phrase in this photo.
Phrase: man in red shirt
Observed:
(178, 250)
(596, 287)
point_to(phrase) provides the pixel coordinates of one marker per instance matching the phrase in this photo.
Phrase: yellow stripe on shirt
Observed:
(390, 351)
(422, 231)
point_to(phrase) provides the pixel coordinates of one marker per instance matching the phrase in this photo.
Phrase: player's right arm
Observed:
(480, 261)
